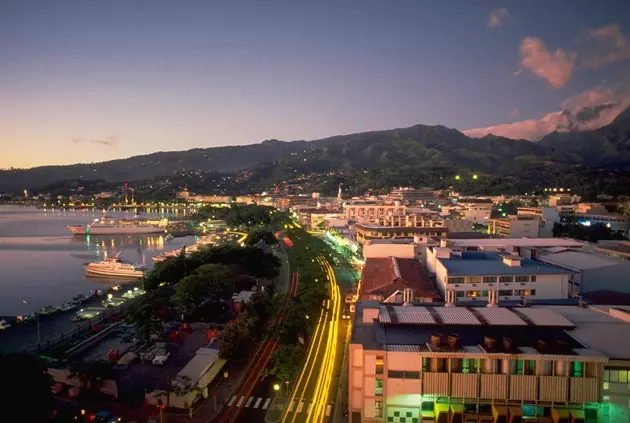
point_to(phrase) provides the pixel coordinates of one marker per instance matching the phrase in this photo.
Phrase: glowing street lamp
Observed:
(457, 177)
(475, 177)
(276, 387)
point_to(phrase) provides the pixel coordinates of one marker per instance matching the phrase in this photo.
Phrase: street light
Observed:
(276, 387)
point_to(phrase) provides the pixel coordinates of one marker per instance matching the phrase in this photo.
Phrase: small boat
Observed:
(26, 318)
(68, 306)
(4, 325)
(80, 299)
(48, 310)
(114, 267)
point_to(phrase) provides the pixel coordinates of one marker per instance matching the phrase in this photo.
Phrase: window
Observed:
(456, 280)
(395, 374)
(412, 375)
(472, 294)
(623, 376)
(473, 279)
(379, 365)
(466, 365)
(489, 279)
(425, 364)
(521, 279)
(530, 367)
(520, 367)
(506, 278)
(506, 292)
(379, 387)
(484, 293)
(532, 279)
(378, 408)
(460, 293)
(605, 386)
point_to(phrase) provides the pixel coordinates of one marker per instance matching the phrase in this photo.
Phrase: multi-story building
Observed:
(478, 210)
(372, 211)
(472, 276)
(555, 364)
(547, 216)
(367, 232)
(413, 195)
(515, 227)
(590, 271)
(615, 222)
(314, 217)
(288, 201)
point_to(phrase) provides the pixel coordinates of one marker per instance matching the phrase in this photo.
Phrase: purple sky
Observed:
(84, 81)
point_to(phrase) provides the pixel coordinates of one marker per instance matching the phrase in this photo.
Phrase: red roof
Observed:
(384, 276)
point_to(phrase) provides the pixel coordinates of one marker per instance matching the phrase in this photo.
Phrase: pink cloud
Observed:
(556, 67)
(613, 45)
(588, 110)
(515, 112)
(496, 17)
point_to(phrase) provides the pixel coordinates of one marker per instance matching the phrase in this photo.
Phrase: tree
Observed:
(235, 336)
(208, 282)
(260, 234)
(26, 388)
(146, 311)
(286, 361)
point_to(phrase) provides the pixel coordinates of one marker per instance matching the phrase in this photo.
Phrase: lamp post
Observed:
(37, 317)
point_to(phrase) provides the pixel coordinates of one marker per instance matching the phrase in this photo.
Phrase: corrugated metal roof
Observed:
(456, 316)
(527, 350)
(418, 315)
(545, 317)
(405, 348)
(480, 264)
(497, 316)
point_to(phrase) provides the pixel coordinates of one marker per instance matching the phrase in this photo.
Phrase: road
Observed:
(313, 397)
(252, 395)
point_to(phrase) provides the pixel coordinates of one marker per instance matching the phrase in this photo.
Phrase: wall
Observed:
(525, 228)
(458, 225)
(378, 250)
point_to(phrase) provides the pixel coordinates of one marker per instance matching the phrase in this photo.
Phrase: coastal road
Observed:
(314, 393)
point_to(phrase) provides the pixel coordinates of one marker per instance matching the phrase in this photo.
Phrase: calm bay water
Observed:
(42, 263)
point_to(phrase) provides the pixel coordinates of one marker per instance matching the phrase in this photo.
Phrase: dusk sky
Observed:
(87, 81)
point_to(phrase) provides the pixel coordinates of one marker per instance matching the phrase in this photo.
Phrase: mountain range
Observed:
(415, 147)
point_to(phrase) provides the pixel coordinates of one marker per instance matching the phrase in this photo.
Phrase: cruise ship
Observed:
(112, 227)
(113, 267)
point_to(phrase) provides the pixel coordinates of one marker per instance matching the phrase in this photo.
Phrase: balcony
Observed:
(464, 385)
(493, 386)
(584, 389)
(523, 388)
(435, 384)
(553, 388)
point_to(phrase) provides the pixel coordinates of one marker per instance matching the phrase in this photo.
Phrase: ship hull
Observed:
(115, 230)
(135, 274)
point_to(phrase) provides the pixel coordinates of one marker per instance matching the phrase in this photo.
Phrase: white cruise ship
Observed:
(113, 227)
(113, 267)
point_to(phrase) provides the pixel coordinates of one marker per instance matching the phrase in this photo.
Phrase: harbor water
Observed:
(42, 263)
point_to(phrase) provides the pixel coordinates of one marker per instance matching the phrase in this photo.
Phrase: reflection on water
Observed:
(43, 263)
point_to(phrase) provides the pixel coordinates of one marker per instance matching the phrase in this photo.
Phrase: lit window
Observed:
(378, 408)
(473, 279)
(472, 293)
(606, 386)
(379, 387)
(623, 376)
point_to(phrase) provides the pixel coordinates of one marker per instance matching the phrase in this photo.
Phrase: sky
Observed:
(89, 81)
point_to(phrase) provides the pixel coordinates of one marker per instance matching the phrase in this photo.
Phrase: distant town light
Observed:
(475, 177)
(457, 177)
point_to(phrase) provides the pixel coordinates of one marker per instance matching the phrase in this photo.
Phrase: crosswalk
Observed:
(264, 403)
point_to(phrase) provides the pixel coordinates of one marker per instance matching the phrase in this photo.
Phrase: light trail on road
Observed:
(324, 382)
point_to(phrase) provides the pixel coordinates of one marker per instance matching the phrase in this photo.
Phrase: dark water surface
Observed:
(42, 263)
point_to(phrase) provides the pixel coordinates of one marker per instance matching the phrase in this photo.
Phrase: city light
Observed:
(475, 177)
(276, 387)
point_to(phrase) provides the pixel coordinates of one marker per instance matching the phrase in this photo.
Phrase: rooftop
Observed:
(517, 242)
(620, 247)
(385, 276)
(480, 264)
(579, 260)
(564, 329)
(414, 229)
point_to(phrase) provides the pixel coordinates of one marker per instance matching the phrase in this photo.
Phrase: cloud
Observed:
(612, 47)
(109, 141)
(588, 110)
(496, 18)
(515, 112)
(555, 67)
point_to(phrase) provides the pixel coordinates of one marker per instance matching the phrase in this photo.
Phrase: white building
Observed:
(547, 216)
(476, 210)
(472, 276)
(515, 227)
(590, 271)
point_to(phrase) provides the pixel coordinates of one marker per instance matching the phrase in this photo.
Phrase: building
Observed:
(396, 280)
(615, 222)
(618, 249)
(515, 226)
(288, 201)
(413, 195)
(372, 211)
(524, 247)
(487, 364)
(563, 199)
(367, 232)
(478, 210)
(547, 216)
(590, 271)
(472, 276)
(314, 216)
(383, 248)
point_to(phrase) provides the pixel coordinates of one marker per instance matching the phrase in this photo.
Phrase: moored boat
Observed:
(4, 325)
(48, 310)
(114, 267)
